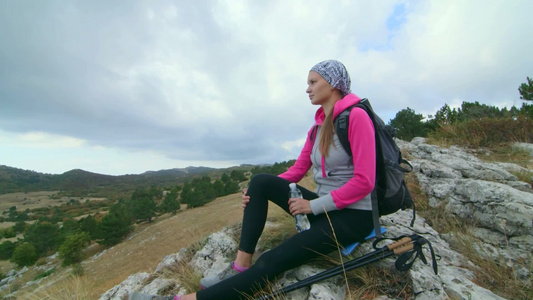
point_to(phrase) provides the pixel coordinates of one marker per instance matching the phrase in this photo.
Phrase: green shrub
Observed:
(71, 250)
(24, 255)
(6, 250)
(9, 233)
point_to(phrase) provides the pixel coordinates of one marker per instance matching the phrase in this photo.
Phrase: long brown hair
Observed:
(326, 134)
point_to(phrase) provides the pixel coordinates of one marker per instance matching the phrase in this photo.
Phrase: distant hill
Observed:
(82, 183)
(179, 172)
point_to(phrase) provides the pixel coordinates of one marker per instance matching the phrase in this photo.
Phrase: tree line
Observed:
(82, 183)
(275, 169)
(472, 124)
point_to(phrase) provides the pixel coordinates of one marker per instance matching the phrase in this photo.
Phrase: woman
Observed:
(343, 191)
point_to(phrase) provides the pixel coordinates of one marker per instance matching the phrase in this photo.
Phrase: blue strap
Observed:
(347, 250)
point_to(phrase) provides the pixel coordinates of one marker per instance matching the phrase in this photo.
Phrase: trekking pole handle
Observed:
(403, 249)
(399, 243)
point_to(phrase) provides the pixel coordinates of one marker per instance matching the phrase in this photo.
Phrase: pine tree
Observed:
(171, 203)
(526, 90)
(409, 124)
(115, 225)
(43, 236)
(89, 225)
(237, 176)
(143, 204)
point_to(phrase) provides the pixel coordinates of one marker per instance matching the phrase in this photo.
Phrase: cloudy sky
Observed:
(122, 87)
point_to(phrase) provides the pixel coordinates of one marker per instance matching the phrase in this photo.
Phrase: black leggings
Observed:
(350, 226)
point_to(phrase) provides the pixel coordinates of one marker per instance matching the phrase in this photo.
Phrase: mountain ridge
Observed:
(84, 183)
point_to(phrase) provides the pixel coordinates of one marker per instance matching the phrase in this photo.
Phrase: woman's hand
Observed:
(245, 198)
(299, 206)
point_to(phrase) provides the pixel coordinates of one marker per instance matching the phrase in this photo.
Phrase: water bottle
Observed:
(302, 223)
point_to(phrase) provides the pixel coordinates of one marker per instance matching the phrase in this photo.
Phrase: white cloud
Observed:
(39, 140)
(292, 146)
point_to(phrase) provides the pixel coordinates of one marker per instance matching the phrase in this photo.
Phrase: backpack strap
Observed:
(342, 122)
(312, 136)
(375, 212)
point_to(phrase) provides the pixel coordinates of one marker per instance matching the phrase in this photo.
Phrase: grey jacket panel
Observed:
(339, 169)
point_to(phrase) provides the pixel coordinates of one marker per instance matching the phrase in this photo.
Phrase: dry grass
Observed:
(370, 282)
(69, 288)
(33, 200)
(484, 132)
(505, 152)
(184, 273)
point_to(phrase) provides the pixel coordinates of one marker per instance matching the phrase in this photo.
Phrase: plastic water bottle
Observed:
(302, 223)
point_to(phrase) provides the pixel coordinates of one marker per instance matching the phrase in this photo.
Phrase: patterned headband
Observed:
(335, 74)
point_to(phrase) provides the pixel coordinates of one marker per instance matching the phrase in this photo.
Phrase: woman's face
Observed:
(319, 90)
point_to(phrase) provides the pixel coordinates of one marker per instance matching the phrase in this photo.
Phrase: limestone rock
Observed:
(133, 283)
(216, 254)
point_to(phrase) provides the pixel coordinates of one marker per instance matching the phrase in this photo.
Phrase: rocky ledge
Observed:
(485, 194)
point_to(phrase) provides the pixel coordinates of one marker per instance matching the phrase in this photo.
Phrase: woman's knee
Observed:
(262, 178)
(263, 181)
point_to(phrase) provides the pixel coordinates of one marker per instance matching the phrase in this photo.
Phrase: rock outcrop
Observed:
(487, 195)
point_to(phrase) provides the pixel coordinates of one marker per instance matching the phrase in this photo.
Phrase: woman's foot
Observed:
(232, 270)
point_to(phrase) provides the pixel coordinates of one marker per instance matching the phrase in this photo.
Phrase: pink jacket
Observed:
(340, 182)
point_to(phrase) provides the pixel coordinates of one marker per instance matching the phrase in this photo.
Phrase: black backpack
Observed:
(390, 192)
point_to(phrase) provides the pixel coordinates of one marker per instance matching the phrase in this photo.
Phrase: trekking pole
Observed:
(404, 245)
(400, 241)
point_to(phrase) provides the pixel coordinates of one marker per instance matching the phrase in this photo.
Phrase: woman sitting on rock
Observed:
(341, 202)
